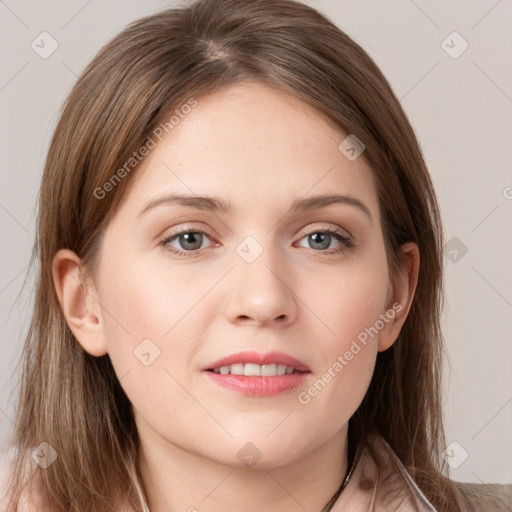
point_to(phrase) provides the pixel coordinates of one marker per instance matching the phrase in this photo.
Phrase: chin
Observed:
(259, 454)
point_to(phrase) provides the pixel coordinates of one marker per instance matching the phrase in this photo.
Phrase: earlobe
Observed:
(81, 309)
(402, 291)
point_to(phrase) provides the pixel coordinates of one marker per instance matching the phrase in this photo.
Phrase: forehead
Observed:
(255, 146)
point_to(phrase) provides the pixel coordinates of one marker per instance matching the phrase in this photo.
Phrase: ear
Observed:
(78, 302)
(400, 295)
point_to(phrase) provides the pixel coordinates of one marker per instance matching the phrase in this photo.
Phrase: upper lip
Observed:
(258, 358)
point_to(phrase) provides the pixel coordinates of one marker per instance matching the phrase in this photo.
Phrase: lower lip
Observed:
(259, 386)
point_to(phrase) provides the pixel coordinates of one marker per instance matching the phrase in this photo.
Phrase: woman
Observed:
(255, 367)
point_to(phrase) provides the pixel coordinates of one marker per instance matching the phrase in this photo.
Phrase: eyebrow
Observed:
(215, 204)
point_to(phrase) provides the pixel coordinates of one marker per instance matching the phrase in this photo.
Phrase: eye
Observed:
(321, 239)
(189, 240)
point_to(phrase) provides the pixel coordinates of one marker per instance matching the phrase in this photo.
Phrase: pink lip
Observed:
(257, 358)
(257, 385)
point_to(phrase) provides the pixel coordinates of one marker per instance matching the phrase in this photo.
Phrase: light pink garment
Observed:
(391, 489)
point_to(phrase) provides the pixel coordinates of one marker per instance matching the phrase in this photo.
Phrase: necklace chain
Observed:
(333, 500)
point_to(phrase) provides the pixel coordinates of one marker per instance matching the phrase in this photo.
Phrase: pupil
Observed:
(319, 238)
(189, 239)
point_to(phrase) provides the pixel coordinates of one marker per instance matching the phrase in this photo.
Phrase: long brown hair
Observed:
(74, 401)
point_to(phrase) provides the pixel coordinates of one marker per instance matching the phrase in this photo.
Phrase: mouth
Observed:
(256, 370)
(256, 374)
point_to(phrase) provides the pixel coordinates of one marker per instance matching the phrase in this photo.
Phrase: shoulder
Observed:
(30, 500)
(6, 457)
(380, 483)
(484, 497)
(396, 481)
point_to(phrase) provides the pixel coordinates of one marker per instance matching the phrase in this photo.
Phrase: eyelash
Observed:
(346, 243)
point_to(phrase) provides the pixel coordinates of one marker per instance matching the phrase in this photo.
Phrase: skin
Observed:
(260, 150)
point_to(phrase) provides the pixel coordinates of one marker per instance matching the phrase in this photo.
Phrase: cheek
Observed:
(138, 300)
(349, 302)
(141, 312)
(154, 321)
(147, 301)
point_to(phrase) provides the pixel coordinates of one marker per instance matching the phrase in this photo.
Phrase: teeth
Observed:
(236, 369)
(256, 370)
(269, 370)
(252, 369)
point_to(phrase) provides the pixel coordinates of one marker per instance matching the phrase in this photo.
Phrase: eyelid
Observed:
(304, 232)
(184, 228)
(330, 227)
(343, 236)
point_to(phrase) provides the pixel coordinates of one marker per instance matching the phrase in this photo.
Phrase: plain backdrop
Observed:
(456, 90)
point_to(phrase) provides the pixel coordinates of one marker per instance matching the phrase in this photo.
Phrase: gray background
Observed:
(461, 109)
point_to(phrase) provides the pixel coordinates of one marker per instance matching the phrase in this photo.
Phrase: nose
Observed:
(261, 292)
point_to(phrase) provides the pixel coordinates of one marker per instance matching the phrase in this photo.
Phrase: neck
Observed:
(175, 479)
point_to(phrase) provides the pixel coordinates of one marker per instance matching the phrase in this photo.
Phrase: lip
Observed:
(258, 385)
(258, 358)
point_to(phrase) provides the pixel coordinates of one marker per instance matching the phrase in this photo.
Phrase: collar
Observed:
(371, 489)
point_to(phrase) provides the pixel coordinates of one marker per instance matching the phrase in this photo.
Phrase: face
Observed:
(183, 287)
